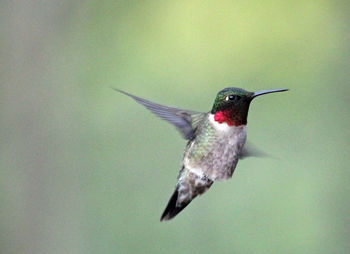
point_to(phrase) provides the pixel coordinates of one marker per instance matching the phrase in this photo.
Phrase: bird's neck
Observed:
(231, 116)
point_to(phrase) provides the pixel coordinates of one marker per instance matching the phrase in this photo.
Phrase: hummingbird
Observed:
(216, 141)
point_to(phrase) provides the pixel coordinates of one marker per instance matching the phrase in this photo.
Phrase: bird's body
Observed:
(211, 156)
(215, 143)
(215, 149)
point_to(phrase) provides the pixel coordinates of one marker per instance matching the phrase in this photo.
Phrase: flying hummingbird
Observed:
(216, 142)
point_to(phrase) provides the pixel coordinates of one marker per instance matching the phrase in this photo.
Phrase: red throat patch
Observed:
(224, 116)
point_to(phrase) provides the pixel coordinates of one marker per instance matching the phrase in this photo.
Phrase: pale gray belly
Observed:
(218, 159)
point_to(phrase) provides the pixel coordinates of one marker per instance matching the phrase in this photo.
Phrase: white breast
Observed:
(221, 156)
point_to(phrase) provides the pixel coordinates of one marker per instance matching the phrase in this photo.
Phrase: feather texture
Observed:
(185, 121)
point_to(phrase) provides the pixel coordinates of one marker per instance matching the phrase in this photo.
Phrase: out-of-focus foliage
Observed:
(84, 169)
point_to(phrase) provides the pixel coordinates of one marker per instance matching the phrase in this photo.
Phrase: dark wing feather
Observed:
(184, 120)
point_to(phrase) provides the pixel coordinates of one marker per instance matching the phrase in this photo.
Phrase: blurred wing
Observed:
(184, 120)
(249, 150)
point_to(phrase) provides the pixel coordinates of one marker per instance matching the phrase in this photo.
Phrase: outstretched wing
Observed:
(184, 120)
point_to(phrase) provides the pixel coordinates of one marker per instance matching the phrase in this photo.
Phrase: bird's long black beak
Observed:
(256, 94)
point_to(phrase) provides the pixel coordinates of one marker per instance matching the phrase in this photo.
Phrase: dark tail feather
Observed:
(188, 187)
(171, 209)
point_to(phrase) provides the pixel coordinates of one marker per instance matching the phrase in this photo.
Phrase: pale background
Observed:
(84, 169)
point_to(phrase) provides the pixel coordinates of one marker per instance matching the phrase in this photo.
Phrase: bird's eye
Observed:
(232, 97)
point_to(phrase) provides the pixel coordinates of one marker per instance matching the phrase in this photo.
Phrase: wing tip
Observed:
(119, 90)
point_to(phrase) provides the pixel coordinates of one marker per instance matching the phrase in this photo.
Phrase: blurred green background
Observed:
(84, 169)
